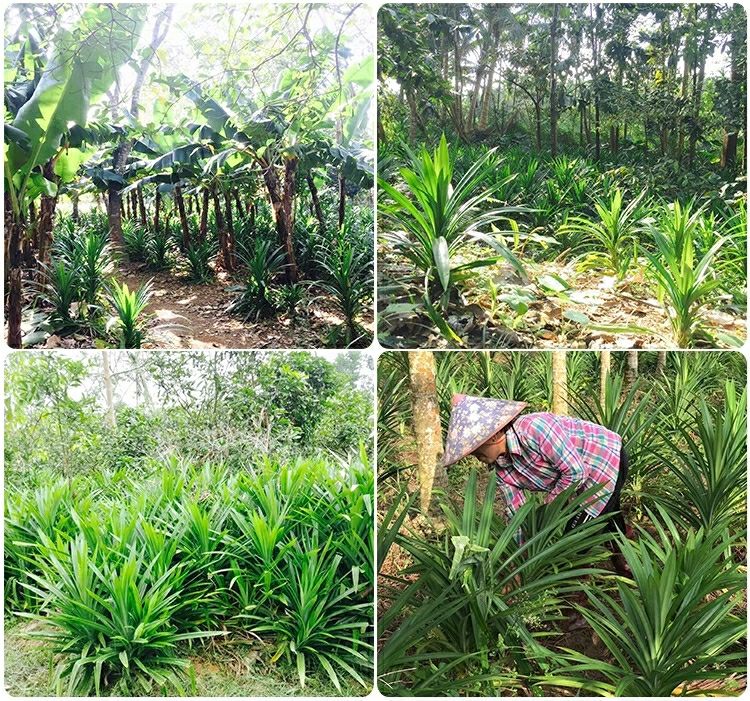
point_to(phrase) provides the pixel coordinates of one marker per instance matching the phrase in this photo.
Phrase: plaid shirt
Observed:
(549, 453)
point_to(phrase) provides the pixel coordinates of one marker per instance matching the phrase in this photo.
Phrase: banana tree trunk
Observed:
(14, 233)
(14, 308)
(157, 208)
(282, 199)
(631, 368)
(183, 217)
(114, 214)
(287, 208)
(316, 204)
(142, 207)
(342, 200)
(204, 215)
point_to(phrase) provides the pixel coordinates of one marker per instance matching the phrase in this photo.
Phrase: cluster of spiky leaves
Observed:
(123, 570)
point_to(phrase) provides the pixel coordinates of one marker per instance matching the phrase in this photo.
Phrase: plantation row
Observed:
(451, 216)
(257, 162)
(129, 572)
(487, 615)
(81, 278)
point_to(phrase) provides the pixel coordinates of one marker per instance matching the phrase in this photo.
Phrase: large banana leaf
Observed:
(82, 65)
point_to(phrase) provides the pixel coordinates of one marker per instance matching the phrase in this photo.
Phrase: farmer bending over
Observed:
(542, 452)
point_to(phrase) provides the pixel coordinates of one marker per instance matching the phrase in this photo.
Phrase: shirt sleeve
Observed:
(514, 500)
(556, 445)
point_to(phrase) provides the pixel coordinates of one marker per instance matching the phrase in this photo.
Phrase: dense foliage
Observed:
(600, 146)
(237, 513)
(250, 142)
(487, 616)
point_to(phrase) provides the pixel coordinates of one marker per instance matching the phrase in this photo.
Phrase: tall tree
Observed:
(108, 394)
(120, 157)
(553, 79)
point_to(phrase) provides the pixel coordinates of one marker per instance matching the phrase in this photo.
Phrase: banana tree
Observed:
(82, 63)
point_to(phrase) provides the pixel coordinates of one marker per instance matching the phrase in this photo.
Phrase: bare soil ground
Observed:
(183, 314)
(551, 320)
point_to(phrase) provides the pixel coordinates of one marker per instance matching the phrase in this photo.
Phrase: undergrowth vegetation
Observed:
(486, 615)
(148, 542)
(562, 175)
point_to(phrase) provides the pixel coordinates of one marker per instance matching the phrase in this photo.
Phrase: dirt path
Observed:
(188, 315)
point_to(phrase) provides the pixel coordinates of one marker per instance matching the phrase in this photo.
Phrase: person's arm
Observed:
(514, 500)
(556, 445)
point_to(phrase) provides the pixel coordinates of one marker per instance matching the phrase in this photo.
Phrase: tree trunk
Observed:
(281, 201)
(538, 116)
(142, 207)
(14, 308)
(597, 130)
(203, 231)
(559, 383)
(661, 361)
(426, 419)
(157, 208)
(316, 204)
(227, 251)
(413, 115)
(46, 219)
(114, 214)
(160, 28)
(219, 220)
(238, 203)
(74, 199)
(179, 201)
(287, 202)
(553, 81)
(111, 418)
(631, 368)
(729, 150)
(605, 362)
(484, 113)
(342, 200)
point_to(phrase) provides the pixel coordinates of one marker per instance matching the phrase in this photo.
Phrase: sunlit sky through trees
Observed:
(239, 50)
